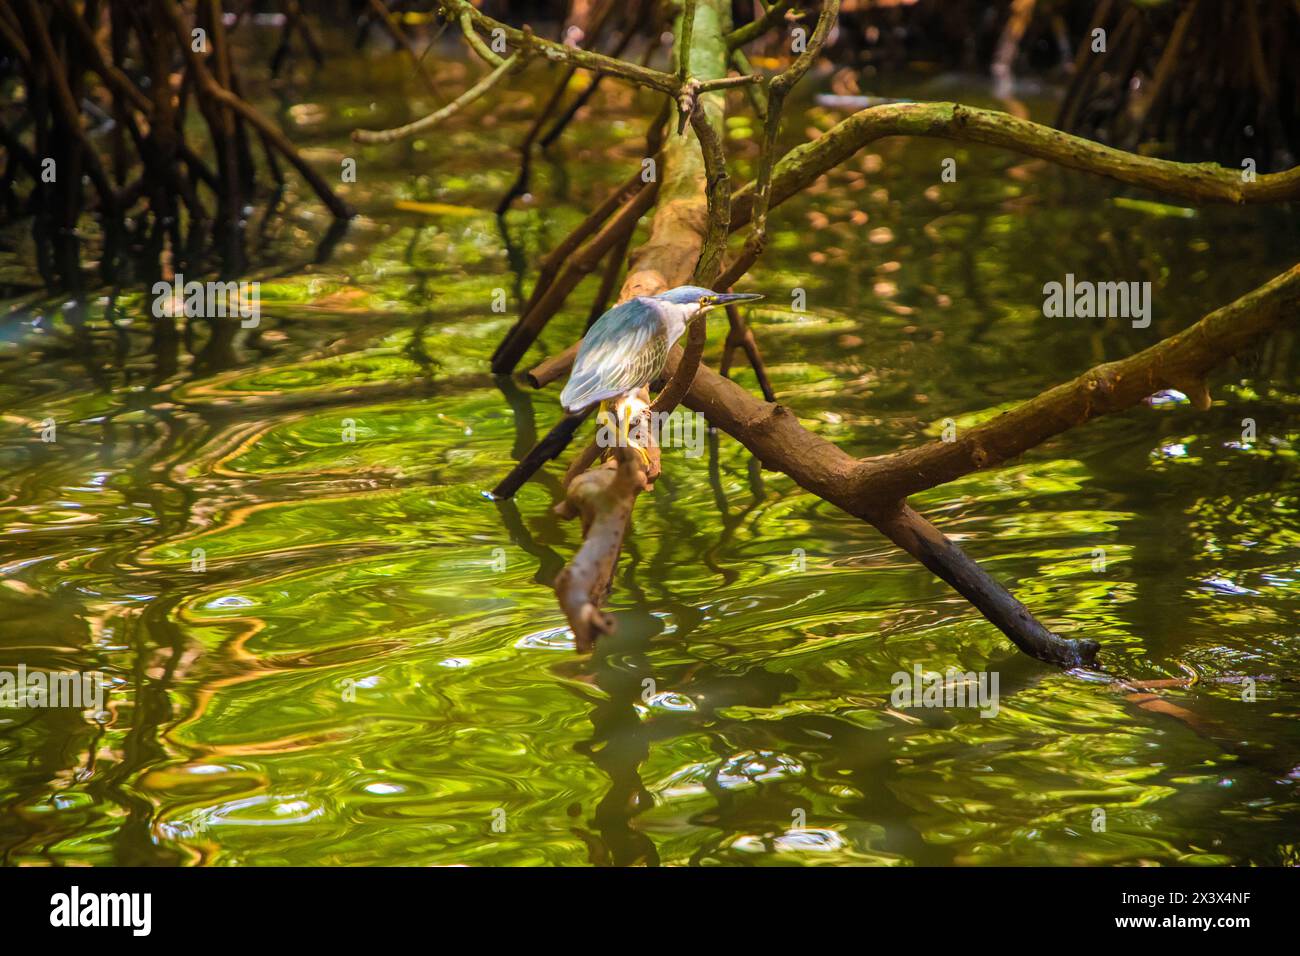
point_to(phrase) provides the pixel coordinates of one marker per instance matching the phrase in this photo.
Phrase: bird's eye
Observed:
(706, 300)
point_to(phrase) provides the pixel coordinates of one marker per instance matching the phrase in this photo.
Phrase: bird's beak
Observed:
(726, 298)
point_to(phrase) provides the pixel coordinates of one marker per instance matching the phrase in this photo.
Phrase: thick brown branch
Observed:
(603, 499)
(524, 332)
(775, 436)
(875, 489)
(915, 535)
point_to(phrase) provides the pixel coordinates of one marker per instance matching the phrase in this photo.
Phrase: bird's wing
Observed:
(624, 350)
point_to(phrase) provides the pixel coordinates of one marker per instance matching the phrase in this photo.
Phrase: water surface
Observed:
(371, 668)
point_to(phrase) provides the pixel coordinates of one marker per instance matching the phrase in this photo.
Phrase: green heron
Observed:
(626, 348)
(623, 351)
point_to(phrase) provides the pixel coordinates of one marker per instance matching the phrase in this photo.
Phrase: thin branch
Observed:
(717, 192)
(752, 31)
(1193, 182)
(462, 11)
(777, 90)
(739, 335)
(684, 34)
(484, 85)
(475, 41)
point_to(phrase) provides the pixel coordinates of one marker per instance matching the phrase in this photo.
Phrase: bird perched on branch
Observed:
(623, 351)
(626, 348)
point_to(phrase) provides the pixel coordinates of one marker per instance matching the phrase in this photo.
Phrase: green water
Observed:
(371, 668)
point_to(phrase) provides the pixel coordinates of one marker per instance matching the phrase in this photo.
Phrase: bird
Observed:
(623, 351)
(626, 349)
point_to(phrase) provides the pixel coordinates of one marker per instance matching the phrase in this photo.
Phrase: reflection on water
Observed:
(328, 648)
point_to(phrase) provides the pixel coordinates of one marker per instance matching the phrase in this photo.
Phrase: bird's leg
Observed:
(602, 419)
(625, 425)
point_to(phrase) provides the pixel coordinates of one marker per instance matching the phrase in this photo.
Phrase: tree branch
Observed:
(606, 496)
(799, 168)
(1180, 361)
(508, 66)
(1193, 182)
(525, 39)
(752, 31)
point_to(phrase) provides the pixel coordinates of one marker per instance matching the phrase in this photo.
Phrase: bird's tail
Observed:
(555, 441)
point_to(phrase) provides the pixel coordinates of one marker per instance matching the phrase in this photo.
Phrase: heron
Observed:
(623, 351)
(626, 348)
